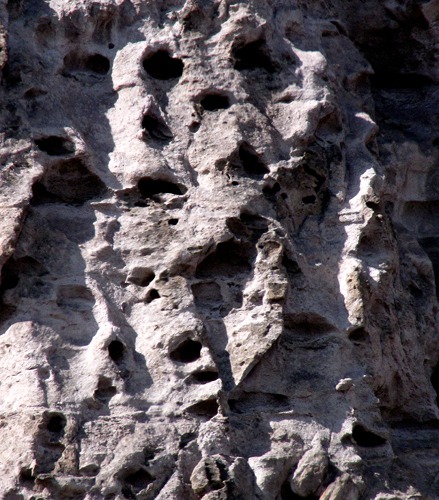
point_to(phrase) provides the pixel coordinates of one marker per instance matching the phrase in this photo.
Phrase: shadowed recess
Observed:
(149, 187)
(116, 351)
(186, 352)
(253, 55)
(138, 480)
(55, 146)
(69, 181)
(156, 128)
(141, 276)
(213, 102)
(365, 438)
(162, 66)
(230, 259)
(251, 162)
(207, 408)
(56, 423)
(204, 377)
(96, 64)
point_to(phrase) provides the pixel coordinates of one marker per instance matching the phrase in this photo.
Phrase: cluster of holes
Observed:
(187, 352)
(161, 66)
(55, 146)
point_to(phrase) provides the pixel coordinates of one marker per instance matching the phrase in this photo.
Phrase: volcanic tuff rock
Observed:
(218, 249)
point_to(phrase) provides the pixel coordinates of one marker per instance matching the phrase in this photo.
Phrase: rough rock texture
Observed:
(219, 245)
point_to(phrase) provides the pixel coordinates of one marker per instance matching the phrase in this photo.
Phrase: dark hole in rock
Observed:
(26, 475)
(255, 224)
(139, 480)
(270, 192)
(162, 66)
(152, 295)
(251, 162)
(141, 276)
(56, 423)
(55, 146)
(105, 391)
(128, 493)
(291, 266)
(150, 187)
(9, 277)
(186, 352)
(397, 80)
(372, 205)
(173, 222)
(365, 438)
(116, 351)
(96, 64)
(111, 45)
(186, 438)
(213, 102)
(229, 260)
(253, 55)
(436, 141)
(208, 408)
(309, 199)
(204, 377)
(69, 181)
(156, 128)
(358, 335)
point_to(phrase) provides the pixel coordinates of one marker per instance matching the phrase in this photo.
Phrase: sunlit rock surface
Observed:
(218, 249)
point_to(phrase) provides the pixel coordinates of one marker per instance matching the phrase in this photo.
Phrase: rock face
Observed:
(219, 248)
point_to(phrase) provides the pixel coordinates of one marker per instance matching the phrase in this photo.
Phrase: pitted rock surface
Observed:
(219, 249)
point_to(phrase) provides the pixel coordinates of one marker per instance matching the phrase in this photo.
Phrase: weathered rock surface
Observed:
(219, 249)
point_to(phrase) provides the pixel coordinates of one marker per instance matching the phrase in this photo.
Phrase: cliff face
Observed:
(218, 249)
